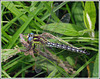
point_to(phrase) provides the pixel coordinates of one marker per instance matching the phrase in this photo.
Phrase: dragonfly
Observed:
(39, 39)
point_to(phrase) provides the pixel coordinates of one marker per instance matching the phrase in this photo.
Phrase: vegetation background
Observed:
(28, 17)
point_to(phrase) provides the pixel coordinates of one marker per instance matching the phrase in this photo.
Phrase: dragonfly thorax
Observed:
(34, 38)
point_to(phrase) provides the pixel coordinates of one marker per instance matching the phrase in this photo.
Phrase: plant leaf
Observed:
(90, 15)
(96, 67)
(77, 12)
(63, 28)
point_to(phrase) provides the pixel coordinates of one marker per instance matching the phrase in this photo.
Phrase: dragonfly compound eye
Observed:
(30, 39)
(31, 34)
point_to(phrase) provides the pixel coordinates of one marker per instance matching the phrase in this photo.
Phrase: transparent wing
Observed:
(40, 62)
(66, 18)
(43, 59)
(57, 12)
(63, 17)
(52, 62)
(51, 19)
(38, 67)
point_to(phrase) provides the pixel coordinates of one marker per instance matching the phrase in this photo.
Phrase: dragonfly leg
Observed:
(31, 53)
(48, 52)
(38, 49)
(29, 47)
(25, 44)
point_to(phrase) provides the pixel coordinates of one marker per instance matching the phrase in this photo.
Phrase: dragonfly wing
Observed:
(43, 60)
(66, 18)
(57, 12)
(38, 67)
(51, 19)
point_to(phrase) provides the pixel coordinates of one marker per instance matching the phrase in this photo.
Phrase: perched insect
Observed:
(39, 39)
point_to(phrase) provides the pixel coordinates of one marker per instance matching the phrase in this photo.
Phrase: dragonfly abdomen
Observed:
(65, 47)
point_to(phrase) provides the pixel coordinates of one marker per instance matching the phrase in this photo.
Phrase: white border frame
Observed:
(48, 0)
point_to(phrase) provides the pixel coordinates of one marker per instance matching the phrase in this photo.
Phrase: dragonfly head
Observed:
(31, 34)
(30, 37)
